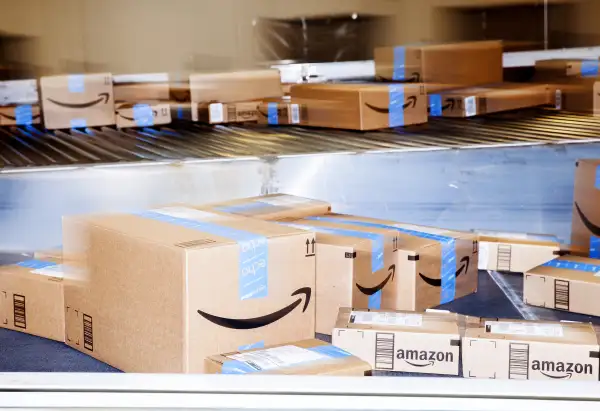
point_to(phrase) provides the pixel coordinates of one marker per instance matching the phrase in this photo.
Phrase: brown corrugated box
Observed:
(585, 226)
(161, 290)
(565, 68)
(52, 254)
(516, 252)
(235, 86)
(219, 113)
(283, 112)
(424, 343)
(530, 350)
(32, 298)
(401, 63)
(20, 115)
(581, 96)
(568, 283)
(362, 106)
(79, 100)
(271, 207)
(308, 357)
(487, 99)
(142, 114)
(133, 88)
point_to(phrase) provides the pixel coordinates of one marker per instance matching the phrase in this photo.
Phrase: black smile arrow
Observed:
(562, 377)
(252, 323)
(101, 96)
(450, 104)
(437, 282)
(420, 365)
(593, 228)
(15, 118)
(414, 78)
(411, 102)
(373, 290)
(154, 114)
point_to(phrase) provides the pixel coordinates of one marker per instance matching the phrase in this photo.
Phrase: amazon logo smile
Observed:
(101, 96)
(565, 370)
(437, 282)
(411, 102)
(15, 118)
(373, 290)
(593, 228)
(154, 114)
(414, 357)
(252, 323)
(414, 78)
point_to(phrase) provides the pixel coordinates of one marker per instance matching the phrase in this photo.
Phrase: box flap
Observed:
(571, 268)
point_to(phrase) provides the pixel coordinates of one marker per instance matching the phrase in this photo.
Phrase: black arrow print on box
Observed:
(593, 228)
(420, 365)
(373, 290)
(154, 114)
(15, 118)
(252, 323)
(308, 244)
(101, 96)
(414, 78)
(412, 102)
(562, 377)
(437, 282)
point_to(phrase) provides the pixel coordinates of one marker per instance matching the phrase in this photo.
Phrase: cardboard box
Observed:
(53, 254)
(400, 63)
(161, 290)
(31, 299)
(22, 115)
(142, 114)
(516, 252)
(219, 113)
(308, 357)
(433, 266)
(565, 68)
(78, 100)
(403, 341)
(19, 92)
(530, 350)
(271, 207)
(183, 111)
(568, 283)
(235, 86)
(476, 101)
(585, 226)
(362, 106)
(134, 88)
(582, 96)
(282, 113)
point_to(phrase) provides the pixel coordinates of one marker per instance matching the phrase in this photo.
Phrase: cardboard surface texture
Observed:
(565, 68)
(32, 298)
(403, 341)
(362, 106)
(19, 92)
(142, 114)
(218, 113)
(530, 350)
(585, 226)
(135, 88)
(582, 96)
(235, 86)
(161, 290)
(22, 115)
(78, 101)
(308, 357)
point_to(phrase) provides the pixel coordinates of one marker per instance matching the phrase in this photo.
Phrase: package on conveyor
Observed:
(282, 112)
(581, 96)
(555, 69)
(358, 106)
(51, 254)
(223, 113)
(78, 100)
(271, 207)
(142, 100)
(32, 298)
(585, 226)
(516, 252)
(475, 101)
(160, 290)
(464, 64)
(530, 350)
(307, 357)
(403, 341)
(19, 103)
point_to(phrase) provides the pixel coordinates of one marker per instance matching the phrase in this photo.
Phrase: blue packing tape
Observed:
(180, 112)
(24, 115)
(396, 107)
(254, 252)
(272, 114)
(594, 246)
(237, 367)
(78, 123)
(448, 256)
(399, 72)
(143, 115)
(589, 68)
(435, 105)
(76, 83)
(573, 265)
(245, 207)
(260, 344)
(35, 264)
(330, 351)
(597, 179)
(375, 300)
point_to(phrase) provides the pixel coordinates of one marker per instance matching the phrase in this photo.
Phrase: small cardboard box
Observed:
(78, 101)
(568, 283)
(32, 298)
(19, 92)
(23, 115)
(134, 88)
(530, 350)
(423, 343)
(220, 113)
(160, 290)
(582, 96)
(308, 357)
(362, 106)
(235, 86)
(585, 226)
(287, 112)
(142, 114)
(516, 252)
(565, 68)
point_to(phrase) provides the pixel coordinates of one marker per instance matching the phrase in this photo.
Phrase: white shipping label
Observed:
(558, 100)
(484, 255)
(383, 318)
(215, 112)
(186, 213)
(51, 271)
(470, 106)
(284, 200)
(277, 357)
(294, 114)
(18, 92)
(529, 329)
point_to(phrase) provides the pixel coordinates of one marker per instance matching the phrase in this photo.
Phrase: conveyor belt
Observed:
(36, 147)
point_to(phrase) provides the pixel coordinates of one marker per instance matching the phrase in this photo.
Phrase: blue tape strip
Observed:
(597, 182)
(143, 115)
(573, 265)
(260, 344)
(35, 264)
(254, 252)
(399, 72)
(24, 115)
(330, 351)
(237, 367)
(594, 246)
(272, 114)
(435, 105)
(245, 207)
(448, 257)
(180, 112)
(589, 68)
(375, 300)
(76, 83)
(396, 115)
(78, 123)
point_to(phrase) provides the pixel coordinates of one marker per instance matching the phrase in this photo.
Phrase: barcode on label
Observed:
(231, 112)
(384, 351)
(20, 315)
(294, 114)
(558, 100)
(518, 361)
(88, 333)
(215, 112)
(470, 106)
(561, 295)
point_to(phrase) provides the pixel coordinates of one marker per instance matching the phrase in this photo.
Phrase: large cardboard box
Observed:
(423, 343)
(19, 92)
(517, 252)
(568, 283)
(32, 299)
(362, 106)
(142, 114)
(78, 100)
(585, 226)
(219, 113)
(272, 207)
(308, 357)
(22, 115)
(530, 350)
(582, 96)
(400, 63)
(159, 291)
(546, 70)
(134, 88)
(433, 266)
(235, 86)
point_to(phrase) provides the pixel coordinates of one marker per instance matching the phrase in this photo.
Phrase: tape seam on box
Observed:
(35, 264)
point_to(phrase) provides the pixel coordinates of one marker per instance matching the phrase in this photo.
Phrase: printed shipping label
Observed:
(295, 114)
(534, 330)
(186, 213)
(470, 106)
(383, 318)
(51, 271)
(558, 100)
(484, 255)
(216, 113)
(277, 357)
